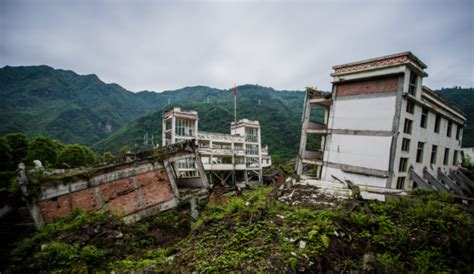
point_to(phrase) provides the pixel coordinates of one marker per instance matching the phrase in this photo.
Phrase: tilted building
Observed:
(234, 157)
(383, 129)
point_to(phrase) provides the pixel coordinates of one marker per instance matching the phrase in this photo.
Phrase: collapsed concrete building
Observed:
(383, 129)
(237, 157)
(135, 186)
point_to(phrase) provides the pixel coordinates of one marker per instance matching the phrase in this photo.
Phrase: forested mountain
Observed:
(82, 109)
(464, 99)
(279, 113)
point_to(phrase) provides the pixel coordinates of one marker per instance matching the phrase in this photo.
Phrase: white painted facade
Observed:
(223, 155)
(364, 137)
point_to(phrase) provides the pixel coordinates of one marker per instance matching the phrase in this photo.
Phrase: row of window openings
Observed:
(185, 127)
(424, 121)
(419, 154)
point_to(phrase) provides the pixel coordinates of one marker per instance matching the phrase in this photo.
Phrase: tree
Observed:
(107, 156)
(75, 156)
(19, 144)
(124, 150)
(6, 163)
(44, 149)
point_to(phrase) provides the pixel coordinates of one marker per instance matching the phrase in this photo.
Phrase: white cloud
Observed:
(160, 45)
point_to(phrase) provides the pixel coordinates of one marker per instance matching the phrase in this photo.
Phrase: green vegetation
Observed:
(462, 98)
(16, 148)
(423, 232)
(75, 156)
(60, 104)
(98, 241)
(279, 114)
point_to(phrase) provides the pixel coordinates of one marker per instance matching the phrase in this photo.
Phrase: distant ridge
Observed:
(83, 109)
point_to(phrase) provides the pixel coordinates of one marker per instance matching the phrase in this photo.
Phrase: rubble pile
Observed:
(304, 193)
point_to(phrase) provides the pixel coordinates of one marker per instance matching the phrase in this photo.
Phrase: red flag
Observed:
(235, 91)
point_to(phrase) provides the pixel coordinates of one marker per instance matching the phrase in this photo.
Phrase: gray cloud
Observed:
(160, 45)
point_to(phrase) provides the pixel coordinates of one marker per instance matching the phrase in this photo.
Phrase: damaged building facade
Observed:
(227, 158)
(383, 129)
(135, 186)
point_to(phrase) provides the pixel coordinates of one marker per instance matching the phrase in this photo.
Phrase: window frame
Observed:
(437, 124)
(424, 117)
(450, 128)
(403, 164)
(406, 144)
(409, 125)
(420, 152)
(434, 154)
(413, 82)
(410, 107)
(401, 182)
(446, 156)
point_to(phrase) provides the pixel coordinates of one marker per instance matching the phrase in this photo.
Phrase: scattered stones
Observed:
(368, 261)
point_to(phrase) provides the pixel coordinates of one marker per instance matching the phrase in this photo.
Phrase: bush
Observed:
(75, 156)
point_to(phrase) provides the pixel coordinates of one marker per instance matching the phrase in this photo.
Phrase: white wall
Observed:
(374, 113)
(364, 113)
(362, 151)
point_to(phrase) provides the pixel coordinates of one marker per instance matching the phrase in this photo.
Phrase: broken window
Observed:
(458, 132)
(251, 149)
(446, 156)
(407, 127)
(252, 162)
(401, 183)
(434, 151)
(419, 152)
(251, 134)
(185, 127)
(168, 124)
(410, 107)
(406, 144)
(412, 85)
(437, 122)
(403, 165)
(424, 117)
(450, 126)
(455, 158)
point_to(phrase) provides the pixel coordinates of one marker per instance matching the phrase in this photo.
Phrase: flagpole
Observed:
(235, 103)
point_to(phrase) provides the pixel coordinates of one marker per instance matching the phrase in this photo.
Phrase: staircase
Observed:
(14, 225)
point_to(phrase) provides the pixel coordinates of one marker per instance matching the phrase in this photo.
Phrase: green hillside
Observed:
(64, 105)
(464, 99)
(82, 109)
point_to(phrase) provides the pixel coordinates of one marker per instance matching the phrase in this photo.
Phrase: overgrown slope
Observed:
(424, 232)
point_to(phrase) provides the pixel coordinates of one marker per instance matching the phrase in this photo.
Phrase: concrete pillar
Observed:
(306, 114)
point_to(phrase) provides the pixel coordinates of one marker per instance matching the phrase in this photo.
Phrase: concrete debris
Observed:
(301, 194)
(302, 244)
(368, 261)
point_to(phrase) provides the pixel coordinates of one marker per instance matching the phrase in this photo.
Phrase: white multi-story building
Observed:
(234, 157)
(382, 128)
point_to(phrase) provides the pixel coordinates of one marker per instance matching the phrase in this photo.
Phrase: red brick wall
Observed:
(120, 196)
(371, 86)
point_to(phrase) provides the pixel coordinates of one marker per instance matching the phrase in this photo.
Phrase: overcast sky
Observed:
(163, 45)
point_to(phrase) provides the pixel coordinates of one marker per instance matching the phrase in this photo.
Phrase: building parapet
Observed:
(441, 102)
(244, 122)
(220, 137)
(397, 59)
(191, 114)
